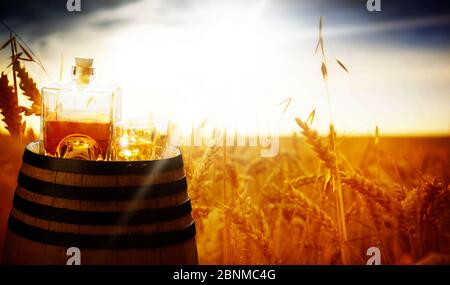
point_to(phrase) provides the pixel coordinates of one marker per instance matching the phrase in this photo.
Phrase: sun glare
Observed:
(211, 68)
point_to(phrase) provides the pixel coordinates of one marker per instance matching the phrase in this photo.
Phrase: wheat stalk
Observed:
(304, 180)
(29, 89)
(251, 222)
(313, 139)
(372, 191)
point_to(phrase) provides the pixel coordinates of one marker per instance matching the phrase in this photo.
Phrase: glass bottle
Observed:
(79, 108)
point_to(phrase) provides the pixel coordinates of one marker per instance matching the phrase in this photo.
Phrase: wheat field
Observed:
(285, 209)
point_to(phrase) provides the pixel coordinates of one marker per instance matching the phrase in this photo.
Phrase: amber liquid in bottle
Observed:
(55, 131)
(78, 115)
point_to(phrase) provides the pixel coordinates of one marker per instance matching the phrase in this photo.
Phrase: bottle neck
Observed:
(82, 75)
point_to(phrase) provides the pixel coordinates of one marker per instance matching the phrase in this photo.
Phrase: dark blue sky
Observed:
(40, 18)
(354, 12)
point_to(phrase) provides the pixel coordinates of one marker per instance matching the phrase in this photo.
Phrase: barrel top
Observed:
(32, 157)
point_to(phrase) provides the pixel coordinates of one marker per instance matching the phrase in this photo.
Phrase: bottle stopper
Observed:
(85, 62)
(83, 70)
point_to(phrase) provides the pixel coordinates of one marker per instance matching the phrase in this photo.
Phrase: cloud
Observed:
(401, 22)
(34, 19)
(41, 18)
(106, 24)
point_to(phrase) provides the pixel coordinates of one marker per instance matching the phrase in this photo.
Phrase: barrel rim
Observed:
(101, 167)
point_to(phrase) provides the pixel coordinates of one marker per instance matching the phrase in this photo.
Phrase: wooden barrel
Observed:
(114, 212)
